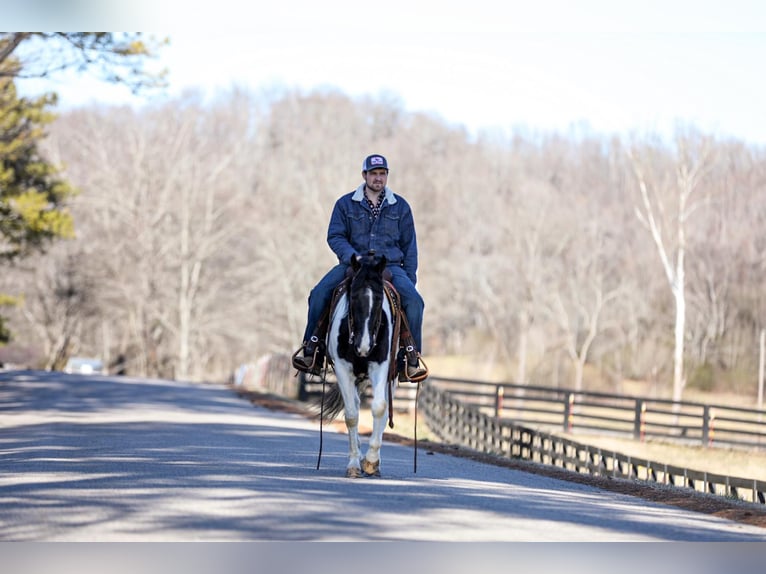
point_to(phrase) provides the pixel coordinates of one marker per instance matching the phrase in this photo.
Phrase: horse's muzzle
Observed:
(362, 352)
(363, 345)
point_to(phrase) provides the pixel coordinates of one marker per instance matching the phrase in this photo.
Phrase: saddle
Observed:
(403, 344)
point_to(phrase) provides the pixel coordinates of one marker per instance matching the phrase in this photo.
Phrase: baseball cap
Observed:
(374, 161)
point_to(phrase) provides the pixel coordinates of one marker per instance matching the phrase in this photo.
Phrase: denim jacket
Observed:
(352, 230)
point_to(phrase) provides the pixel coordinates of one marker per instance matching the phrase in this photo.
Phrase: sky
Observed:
(604, 66)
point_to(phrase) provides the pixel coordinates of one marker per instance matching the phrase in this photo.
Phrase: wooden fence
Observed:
(640, 418)
(458, 422)
(548, 408)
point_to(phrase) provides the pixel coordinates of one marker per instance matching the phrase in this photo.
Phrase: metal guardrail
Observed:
(636, 417)
(455, 421)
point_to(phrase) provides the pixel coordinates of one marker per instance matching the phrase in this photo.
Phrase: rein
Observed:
(398, 328)
(321, 414)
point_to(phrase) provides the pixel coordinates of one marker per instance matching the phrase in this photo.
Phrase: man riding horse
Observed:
(370, 218)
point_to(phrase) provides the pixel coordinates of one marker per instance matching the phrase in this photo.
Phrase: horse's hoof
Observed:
(353, 472)
(371, 468)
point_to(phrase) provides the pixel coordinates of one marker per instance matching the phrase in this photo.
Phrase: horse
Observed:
(360, 341)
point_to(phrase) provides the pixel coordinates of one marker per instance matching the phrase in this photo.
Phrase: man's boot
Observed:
(416, 371)
(411, 368)
(312, 358)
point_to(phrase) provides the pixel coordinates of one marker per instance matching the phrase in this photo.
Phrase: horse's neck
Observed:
(339, 307)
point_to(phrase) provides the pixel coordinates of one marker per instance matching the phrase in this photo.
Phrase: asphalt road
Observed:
(90, 458)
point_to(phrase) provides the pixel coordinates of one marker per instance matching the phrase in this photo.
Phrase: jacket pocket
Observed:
(360, 225)
(390, 223)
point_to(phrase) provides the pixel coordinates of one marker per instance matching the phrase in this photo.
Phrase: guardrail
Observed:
(465, 424)
(639, 418)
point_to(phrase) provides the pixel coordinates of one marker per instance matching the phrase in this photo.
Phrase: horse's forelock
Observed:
(369, 274)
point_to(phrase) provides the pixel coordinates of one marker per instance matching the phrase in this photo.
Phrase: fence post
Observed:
(568, 412)
(639, 424)
(498, 400)
(706, 425)
(710, 420)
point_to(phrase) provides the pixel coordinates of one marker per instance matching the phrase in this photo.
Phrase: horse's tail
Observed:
(332, 403)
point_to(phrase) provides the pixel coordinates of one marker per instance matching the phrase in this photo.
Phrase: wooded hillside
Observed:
(567, 258)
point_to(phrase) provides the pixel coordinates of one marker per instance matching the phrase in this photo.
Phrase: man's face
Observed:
(376, 179)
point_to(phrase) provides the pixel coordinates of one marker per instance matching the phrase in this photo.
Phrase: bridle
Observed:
(388, 293)
(377, 319)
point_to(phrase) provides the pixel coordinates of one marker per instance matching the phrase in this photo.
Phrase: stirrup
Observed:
(404, 375)
(315, 368)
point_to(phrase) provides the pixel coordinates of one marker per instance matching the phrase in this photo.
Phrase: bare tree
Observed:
(201, 228)
(666, 208)
(164, 193)
(113, 57)
(59, 303)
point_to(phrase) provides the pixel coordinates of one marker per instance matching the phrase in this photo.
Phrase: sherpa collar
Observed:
(359, 195)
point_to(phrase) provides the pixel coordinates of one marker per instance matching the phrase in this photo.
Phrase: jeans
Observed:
(412, 302)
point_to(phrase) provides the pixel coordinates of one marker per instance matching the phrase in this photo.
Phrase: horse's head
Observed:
(365, 302)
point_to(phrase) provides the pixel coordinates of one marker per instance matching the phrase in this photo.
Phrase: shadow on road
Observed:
(141, 459)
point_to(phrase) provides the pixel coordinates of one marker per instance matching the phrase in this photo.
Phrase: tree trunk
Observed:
(761, 368)
(579, 365)
(678, 354)
(521, 371)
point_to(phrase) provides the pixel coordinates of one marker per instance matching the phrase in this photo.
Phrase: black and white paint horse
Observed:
(359, 342)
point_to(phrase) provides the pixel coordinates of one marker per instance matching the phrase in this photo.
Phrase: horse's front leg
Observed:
(379, 407)
(351, 412)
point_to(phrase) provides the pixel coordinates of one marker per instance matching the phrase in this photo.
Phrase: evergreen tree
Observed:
(32, 194)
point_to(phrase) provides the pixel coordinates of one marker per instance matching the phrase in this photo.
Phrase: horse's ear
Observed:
(381, 264)
(356, 262)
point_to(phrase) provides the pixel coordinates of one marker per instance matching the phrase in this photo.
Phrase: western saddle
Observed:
(405, 361)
